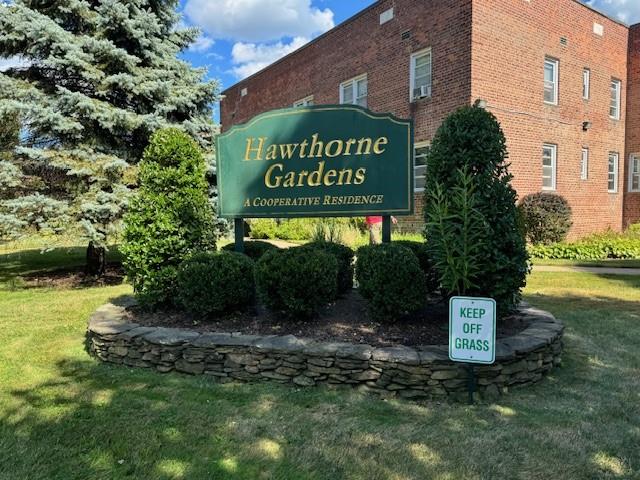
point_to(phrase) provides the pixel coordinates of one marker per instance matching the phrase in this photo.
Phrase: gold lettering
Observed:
(315, 179)
(363, 141)
(339, 144)
(278, 178)
(376, 147)
(343, 172)
(287, 150)
(360, 176)
(316, 146)
(303, 148)
(301, 176)
(351, 142)
(251, 148)
(272, 152)
(328, 178)
(289, 180)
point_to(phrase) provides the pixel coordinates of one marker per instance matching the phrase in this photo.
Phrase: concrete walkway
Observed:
(594, 270)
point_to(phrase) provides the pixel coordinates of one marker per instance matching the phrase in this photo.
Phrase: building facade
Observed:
(558, 75)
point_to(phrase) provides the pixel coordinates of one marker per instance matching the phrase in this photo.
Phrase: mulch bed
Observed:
(74, 278)
(347, 320)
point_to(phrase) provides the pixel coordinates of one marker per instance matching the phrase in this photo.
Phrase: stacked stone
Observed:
(407, 372)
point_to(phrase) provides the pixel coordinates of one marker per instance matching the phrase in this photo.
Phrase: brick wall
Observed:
(488, 49)
(632, 199)
(364, 46)
(510, 41)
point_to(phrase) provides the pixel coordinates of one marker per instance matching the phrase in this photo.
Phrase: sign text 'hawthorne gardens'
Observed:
(316, 161)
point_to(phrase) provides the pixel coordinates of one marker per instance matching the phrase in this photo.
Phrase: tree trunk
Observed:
(96, 260)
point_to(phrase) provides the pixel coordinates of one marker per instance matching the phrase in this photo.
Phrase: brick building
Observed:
(563, 80)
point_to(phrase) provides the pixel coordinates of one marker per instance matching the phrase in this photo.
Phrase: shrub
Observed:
(299, 229)
(421, 252)
(468, 155)
(296, 281)
(390, 278)
(254, 250)
(344, 256)
(216, 283)
(600, 247)
(170, 218)
(546, 218)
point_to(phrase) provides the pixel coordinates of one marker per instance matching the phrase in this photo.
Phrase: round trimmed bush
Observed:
(296, 281)
(546, 218)
(391, 279)
(344, 255)
(254, 250)
(216, 283)
(420, 250)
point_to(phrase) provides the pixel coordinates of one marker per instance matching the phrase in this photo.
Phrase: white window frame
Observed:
(412, 74)
(556, 76)
(634, 159)
(304, 102)
(616, 87)
(353, 83)
(416, 146)
(554, 165)
(586, 84)
(616, 166)
(584, 164)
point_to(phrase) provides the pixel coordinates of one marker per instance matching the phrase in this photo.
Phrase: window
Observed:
(551, 81)
(612, 186)
(386, 16)
(305, 102)
(420, 75)
(420, 152)
(549, 161)
(614, 110)
(584, 164)
(634, 173)
(354, 91)
(586, 84)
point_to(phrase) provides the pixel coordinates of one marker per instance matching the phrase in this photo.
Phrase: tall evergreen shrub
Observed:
(468, 158)
(170, 217)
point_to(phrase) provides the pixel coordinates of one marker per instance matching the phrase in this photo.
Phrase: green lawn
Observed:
(64, 416)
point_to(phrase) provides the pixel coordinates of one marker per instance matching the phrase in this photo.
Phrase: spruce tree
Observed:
(101, 77)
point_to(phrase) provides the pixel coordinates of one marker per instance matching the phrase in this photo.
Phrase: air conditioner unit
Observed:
(423, 92)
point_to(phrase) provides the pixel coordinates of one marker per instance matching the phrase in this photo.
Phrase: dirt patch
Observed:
(73, 278)
(347, 320)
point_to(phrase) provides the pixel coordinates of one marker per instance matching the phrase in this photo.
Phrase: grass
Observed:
(65, 416)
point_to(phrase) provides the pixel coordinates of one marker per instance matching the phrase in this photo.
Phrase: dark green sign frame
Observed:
(320, 161)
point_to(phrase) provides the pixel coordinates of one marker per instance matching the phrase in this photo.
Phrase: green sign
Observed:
(322, 161)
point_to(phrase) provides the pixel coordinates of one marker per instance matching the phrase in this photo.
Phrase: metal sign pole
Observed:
(239, 233)
(471, 384)
(386, 229)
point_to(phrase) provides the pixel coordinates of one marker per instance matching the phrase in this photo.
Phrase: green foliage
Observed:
(254, 250)
(390, 277)
(546, 218)
(96, 80)
(596, 247)
(300, 229)
(170, 218)
(344, 256)
(470, 143)
(296, 281)
(421, 252)
(216, 283)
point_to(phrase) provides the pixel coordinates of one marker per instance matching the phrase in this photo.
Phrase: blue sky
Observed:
(242, 36)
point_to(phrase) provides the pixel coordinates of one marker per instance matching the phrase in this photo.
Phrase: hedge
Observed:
(590, 249)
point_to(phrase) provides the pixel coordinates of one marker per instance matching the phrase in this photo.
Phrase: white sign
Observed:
(472, 330)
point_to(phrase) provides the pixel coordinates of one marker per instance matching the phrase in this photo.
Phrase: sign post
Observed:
(472, 334)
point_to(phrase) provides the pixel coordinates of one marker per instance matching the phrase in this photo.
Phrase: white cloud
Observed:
(627, 11)
(249, 58)
(258, 20)
(202, 44)
(13, 62)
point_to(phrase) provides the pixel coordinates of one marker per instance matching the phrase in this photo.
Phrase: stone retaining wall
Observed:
(408, 372)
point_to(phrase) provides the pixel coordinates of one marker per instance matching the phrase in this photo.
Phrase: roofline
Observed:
(362, 12)
(595, 10)
(308, 44)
